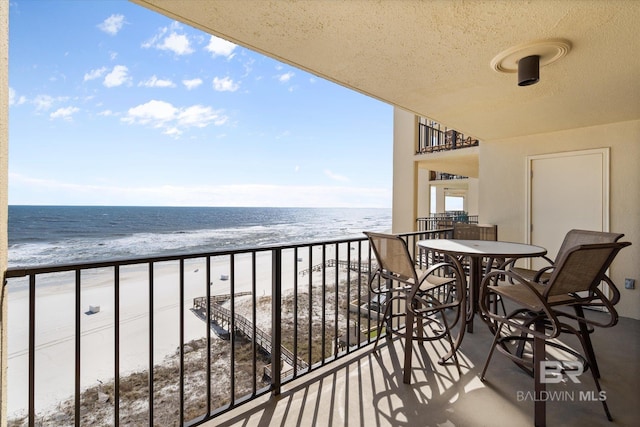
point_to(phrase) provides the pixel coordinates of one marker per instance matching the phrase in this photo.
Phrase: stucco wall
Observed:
(473, 194)
(423, 205)
(4, 150)
(502, 201)
(405, 175)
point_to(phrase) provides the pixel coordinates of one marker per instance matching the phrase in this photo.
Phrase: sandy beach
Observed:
(55, 317)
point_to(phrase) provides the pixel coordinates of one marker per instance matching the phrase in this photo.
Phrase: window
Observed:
(453, 203)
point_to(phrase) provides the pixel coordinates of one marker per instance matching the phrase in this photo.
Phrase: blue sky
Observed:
(113, 104)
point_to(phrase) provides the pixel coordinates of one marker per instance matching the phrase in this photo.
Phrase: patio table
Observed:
(476, 250)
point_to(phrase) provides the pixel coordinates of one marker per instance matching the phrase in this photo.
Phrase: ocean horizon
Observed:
(45, 235)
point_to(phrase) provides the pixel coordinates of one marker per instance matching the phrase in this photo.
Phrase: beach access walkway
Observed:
(359, 266)
(222, 317)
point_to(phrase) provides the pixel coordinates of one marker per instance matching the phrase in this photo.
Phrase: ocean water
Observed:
(44, 235)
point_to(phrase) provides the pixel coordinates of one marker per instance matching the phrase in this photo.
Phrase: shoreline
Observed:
(55, 319)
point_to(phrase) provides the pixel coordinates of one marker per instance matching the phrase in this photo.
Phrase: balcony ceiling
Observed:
(433, 57)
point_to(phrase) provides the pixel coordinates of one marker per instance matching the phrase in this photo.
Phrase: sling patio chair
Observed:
(420, 296)
(572, 238)
(605, 301)
(466, 231)
(536, 317)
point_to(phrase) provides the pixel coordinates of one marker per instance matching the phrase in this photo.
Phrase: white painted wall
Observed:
(503, 189)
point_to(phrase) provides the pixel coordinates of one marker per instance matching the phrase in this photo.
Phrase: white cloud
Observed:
(200, 116)
(225, 84)
(117, 77)
(156, 82)
(169, 38)
(192, 84)
(205, 195)
(220, 47)
(335, 176)
(248, 66)
(43, 102)
(94, 74)
(112, 24)
(12, 96)
(173, 120)
(174, 131)
(65, 113)
(176, 43)
(284, 78)
(154, 112)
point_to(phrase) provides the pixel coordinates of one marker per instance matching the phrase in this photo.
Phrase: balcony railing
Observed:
(443, 176)
(444, 221)
(273, 314)
(431, 138)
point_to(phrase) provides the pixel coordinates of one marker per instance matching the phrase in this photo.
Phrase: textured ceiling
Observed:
(433, 57)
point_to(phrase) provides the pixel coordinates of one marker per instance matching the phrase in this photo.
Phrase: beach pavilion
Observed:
(574, 119)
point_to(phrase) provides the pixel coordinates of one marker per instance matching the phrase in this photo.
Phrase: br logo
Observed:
(553, 371)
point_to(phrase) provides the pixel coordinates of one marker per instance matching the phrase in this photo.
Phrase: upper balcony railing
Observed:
(273, 315)
(432, 138)
(444, 221)
(443, 176)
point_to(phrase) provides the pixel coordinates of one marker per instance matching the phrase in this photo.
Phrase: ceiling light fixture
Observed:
(526, 59)
(529, 70)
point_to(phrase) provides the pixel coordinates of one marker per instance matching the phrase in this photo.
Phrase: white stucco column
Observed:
(423, 202)
(4, 175)
(405, 175)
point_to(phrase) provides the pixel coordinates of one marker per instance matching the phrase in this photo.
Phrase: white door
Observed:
(566, 191)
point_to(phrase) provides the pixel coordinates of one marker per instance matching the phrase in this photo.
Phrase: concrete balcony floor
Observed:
(366, 389)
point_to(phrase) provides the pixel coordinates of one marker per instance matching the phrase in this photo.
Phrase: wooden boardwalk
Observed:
(222, 317)
(358, 266)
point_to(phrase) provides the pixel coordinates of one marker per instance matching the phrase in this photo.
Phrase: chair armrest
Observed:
(598, 299)
(614, 290)
(457, 279)
(539, 273)
(529, 300)
(510, 264)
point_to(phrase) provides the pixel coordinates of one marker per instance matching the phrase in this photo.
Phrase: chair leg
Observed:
(604, 401)
(540, 409)
(491, 350)
(586, 341)
(385, 317)
(408, 348)
(453, 350)
(595, 374)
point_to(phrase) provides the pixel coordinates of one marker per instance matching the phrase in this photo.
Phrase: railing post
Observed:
(32, 350)
(276, 333)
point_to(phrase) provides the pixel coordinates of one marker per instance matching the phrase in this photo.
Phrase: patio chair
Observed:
(536, 317)
(422, 296)
(466, 231)
(605, 301)
(572, 238)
